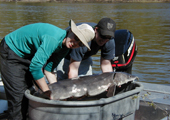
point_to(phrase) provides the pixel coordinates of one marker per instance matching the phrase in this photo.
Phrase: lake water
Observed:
(148, 22)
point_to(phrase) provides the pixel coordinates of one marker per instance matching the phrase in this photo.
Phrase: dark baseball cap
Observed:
(107, 27)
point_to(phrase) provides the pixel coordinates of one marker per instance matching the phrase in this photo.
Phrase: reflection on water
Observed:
(149, 23)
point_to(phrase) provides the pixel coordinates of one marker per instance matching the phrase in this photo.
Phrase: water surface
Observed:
(148, 22)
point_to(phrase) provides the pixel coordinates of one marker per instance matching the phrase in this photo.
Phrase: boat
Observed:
(154, 99)
(154, 102)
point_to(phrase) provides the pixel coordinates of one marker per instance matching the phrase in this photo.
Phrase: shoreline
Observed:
(91, 1)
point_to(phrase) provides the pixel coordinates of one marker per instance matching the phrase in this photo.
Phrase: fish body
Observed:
(89, 85)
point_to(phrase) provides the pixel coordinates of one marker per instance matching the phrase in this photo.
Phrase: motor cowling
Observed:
(125, 51)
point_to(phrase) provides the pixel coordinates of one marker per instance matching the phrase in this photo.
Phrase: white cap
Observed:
(84, 32)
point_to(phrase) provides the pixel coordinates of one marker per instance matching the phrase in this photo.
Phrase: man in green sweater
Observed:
(31, 52)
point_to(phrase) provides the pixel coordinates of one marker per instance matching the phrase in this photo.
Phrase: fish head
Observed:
(121, 78)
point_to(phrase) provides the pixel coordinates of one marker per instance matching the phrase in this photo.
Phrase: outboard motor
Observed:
(125, 51)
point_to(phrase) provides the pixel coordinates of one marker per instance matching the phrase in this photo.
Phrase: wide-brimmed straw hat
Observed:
(84, 32)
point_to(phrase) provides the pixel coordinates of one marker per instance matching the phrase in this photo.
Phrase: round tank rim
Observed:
(99, 102)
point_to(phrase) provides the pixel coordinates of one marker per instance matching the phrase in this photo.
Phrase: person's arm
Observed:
(106, 65)
(44, 87)
(73, 68)
(50, 76)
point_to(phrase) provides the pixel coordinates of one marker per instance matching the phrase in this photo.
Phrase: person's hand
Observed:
(47, 94)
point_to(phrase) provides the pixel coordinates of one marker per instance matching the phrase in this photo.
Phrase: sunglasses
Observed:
(78, 40)
(104, 37)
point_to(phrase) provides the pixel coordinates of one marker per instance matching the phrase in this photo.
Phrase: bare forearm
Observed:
(50, 77)
(72, 73)
(42, 84)
(106, 66)
(73, 68)
(44, 87)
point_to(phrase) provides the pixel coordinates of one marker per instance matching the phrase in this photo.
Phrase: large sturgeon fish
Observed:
(89, 85)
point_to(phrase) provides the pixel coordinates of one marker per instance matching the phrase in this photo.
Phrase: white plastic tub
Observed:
(121, 106)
